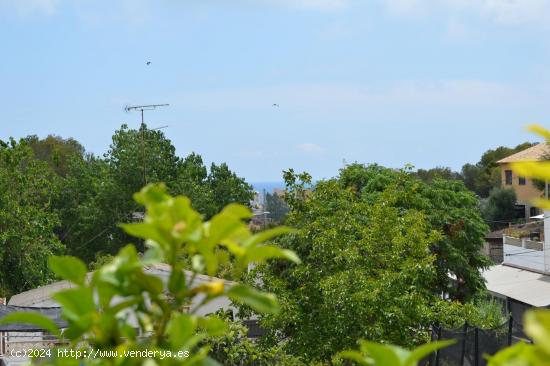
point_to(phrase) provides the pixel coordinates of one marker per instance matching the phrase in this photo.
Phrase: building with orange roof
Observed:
(525, 188)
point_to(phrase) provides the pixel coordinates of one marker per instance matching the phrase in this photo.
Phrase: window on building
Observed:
(521, 181)
(533, 211)
(508, 175)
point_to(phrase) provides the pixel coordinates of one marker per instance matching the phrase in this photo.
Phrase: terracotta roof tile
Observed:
(534, 153)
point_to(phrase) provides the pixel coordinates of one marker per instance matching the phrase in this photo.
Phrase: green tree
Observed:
(378, 246)
(90, 207)
(367, 271)
(193, 182)
(137, 157)
(450, 208)
(56, 151)
(27, 221)
(99, 310)
(227, 187)
(234, 348)
(97, 192)
(428, 175)
(500, 208)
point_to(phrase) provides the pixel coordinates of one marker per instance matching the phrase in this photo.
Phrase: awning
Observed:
(528, 287)
(52, 313)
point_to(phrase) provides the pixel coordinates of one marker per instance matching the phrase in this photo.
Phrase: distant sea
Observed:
(268, 186)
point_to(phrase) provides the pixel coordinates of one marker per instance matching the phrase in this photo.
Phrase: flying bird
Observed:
(148, 63)
(275, 105)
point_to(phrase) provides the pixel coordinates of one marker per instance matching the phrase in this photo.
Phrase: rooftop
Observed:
(37, 296)
(534, 153)
(526, 286)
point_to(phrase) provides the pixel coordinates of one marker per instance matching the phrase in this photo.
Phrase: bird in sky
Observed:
(275, 105)
(148, 63)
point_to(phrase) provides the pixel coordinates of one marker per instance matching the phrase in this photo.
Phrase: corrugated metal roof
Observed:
(529, 287)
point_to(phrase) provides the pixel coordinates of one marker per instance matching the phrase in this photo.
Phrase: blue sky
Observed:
(427, 82)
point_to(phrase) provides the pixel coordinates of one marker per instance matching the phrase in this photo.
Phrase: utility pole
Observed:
(143, 108)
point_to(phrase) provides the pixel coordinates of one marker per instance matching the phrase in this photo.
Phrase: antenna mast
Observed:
(143, 108)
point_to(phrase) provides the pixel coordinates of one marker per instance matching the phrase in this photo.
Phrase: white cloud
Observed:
(518, 11)
(407, 7)
(505, 12)
(325, 5)
(29, 7)
(310, 148)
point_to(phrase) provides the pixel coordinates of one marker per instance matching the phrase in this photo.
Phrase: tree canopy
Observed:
(27, 221)
(377, 247)
(58, 198)
(500, 208)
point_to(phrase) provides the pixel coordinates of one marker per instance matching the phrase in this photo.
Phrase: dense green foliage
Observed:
(56, 151)
(101, 189)
(450, 209)
(234, 348)
(373, 354)
(500, 207)
(57, 198)
(377, 246)
(428, 175)
(123, 308)
(27, 221)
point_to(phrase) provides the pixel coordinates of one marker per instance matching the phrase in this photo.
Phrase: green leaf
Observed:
(207, 361)
(263, 252)
(236, 210)
(75, 302)
(213, 325)
(150, 283)
(420, 352)
(180, 329)
(223, 228)
(259, 301)
(69, 268)
(144, 230)
(41, 321)
(267, 235)
(540, 131)
(520, 354)
(355, 356)
(537, 326)
(151, 194)
(383, 354)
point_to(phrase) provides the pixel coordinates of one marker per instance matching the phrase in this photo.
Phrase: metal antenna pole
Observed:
(143, 108)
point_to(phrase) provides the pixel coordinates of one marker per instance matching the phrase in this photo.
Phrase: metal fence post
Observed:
(431, 360)
(476, 346)
(463, 352)
(437, 352)
(510, 328)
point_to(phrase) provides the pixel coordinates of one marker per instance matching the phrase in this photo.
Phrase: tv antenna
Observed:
(143, 108)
